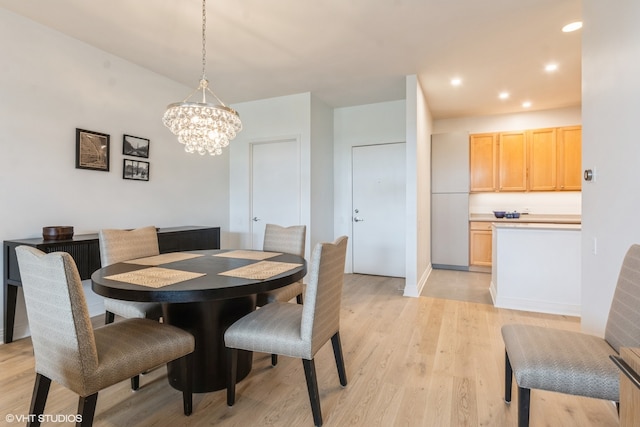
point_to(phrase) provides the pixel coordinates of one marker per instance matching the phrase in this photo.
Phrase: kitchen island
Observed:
(536, 266)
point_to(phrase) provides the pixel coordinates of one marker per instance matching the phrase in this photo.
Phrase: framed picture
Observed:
(135, 169)
(135, 146)
(92, 150)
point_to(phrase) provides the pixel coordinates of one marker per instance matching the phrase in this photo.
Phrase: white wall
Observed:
(369, 124)
(610, 109)
(52, 84)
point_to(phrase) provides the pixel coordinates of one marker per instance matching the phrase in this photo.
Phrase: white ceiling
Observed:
(346, 52)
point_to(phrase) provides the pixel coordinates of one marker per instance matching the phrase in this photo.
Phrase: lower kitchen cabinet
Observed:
(480, 243)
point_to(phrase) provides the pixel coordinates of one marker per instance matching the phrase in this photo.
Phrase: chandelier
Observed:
(201, 126)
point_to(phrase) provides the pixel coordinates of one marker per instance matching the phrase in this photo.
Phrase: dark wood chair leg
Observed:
(109, 317)
(87, 409)
(337, 353)
(508, 376)
(274, 359)
(524, 397)
(232, 368)
(38, 399)
(135, 382)
(312, 387)
(187, 392)
(299, 299)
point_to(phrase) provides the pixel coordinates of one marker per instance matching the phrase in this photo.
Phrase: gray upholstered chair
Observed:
(124, 245)
(288, 240)
(70, 352)
(573, 362)
(296, 330)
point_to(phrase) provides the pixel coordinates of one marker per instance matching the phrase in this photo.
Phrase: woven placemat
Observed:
(163, 258)
(260, 270)
(154, 277)
(257, 255)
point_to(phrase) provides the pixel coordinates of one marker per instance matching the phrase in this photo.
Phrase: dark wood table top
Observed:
(211, 286)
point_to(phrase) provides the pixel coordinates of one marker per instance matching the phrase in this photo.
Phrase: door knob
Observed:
(357, 219)
(255, 219)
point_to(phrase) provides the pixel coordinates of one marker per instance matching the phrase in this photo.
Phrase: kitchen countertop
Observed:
(529, 218)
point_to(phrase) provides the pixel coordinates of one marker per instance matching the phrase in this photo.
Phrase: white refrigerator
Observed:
(450, 201)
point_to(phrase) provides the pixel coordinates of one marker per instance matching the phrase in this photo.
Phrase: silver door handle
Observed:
(357, 219)
(255, 219)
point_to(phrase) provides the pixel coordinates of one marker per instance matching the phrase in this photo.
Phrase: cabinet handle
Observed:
(627, 370)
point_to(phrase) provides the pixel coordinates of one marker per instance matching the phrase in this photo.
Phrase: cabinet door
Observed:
(482, 162)
(512, 161)
(480, 244)
(542, 160)
(570, 158)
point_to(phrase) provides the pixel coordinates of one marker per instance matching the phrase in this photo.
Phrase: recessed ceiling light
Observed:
(526, 104)
(549, 68)
(456, 81)
(572, 27)
(503, 95)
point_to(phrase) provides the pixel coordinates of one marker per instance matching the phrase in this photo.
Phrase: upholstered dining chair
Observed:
(573, 362)
(70, 352)
(124, 245)
(296, 330)
(288, 240)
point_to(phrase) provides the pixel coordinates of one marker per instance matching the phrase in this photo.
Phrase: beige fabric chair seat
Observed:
(573, 362)
(70, 352)
(297, 330)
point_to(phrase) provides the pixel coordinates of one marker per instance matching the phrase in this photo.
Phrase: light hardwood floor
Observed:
(410, 362)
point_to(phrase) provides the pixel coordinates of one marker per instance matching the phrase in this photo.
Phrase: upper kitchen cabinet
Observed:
(542, 160)
(483, 162)
(512, 162)
(532, 160)
(570, 158)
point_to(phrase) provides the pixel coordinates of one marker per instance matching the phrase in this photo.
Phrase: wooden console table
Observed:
(85, 250)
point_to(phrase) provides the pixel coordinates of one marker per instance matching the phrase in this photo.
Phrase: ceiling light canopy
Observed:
(201, 126)
(572, 27)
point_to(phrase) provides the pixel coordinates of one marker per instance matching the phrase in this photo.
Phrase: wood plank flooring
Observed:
(410, 362)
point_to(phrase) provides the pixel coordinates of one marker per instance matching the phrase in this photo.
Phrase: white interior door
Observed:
(379, 186)
(275, 186)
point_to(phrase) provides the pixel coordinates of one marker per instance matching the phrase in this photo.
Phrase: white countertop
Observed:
(528, 218)
(536, 226)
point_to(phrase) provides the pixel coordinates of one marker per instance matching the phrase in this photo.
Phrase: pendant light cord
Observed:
(204, 39)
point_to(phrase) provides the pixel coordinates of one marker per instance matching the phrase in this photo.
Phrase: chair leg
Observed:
(524, 397)
(38, 399)
(109, 317)
(135, 382)
(232, 368)
(274, 359)
(187, 392)
(312, 387)
(337, 353)
(87, 409)
(299, 299)
(508, 377)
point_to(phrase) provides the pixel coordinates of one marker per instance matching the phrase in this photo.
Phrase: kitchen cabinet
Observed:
(570, 158)
(542, 160)
(483, 161)
(480, 238)
(547, 159)
(512, 161)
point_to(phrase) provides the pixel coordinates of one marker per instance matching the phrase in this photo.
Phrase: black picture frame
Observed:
(136, 170)
(135, 146)
(92, 150)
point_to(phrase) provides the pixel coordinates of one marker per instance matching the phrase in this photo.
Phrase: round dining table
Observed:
(210, 294)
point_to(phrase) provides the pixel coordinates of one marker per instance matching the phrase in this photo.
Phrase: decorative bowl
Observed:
(57, 232)
(499, 214)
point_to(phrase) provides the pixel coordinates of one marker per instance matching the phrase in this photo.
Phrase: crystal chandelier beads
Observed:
(202, 127)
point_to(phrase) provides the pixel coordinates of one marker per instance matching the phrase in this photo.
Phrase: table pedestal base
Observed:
(207, 321)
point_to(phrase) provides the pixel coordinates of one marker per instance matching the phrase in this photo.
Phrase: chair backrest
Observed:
(623, 324)
(321, 309)
(61, 331)
(124, 245)
(288, 240)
